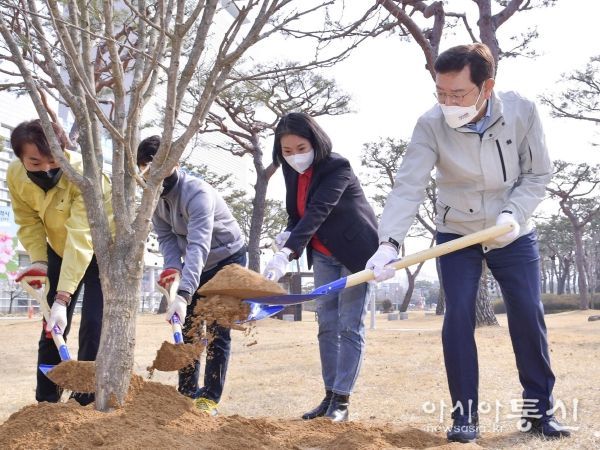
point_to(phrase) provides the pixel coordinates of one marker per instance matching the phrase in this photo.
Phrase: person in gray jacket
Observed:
(492, 167)
(197, 236)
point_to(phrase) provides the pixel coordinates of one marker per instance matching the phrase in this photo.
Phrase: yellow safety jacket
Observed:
(57, 218)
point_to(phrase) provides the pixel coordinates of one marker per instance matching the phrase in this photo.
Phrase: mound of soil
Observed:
(156, 416)
(76, 376)
(236, 281)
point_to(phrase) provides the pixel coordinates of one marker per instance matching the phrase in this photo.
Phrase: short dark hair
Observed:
(32, 132)
(477, 56)
(147, 149)
(303, 125)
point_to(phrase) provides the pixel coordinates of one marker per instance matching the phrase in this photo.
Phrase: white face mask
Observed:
(300, 161)
(457, 116)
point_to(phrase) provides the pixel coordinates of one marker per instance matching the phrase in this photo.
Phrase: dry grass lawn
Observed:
(402, 380)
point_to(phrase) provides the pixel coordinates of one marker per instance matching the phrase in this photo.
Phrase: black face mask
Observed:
(169, 183)
(45, 180)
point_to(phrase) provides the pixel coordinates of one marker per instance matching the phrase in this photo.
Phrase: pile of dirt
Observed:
(76, 376)
(172, 357)
(156, 416)
(236, 281)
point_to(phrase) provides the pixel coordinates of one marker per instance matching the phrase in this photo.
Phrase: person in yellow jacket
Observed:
(54, 229)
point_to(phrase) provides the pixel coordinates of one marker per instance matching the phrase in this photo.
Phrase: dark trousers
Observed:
(217, 352)
(516, 268)
(89, 329)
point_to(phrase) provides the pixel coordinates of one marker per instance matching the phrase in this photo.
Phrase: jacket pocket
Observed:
(501, 156)
(459, 206)
(506, 160)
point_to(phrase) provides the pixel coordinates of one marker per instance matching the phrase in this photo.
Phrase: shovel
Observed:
(171, 357)
(56, 332)
(76, 376)
(368, 275)
(175, 320)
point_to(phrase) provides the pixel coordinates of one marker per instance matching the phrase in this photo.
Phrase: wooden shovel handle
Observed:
(40, 297)
(435, 251)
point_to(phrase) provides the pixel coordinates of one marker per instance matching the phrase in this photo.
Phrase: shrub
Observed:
(552, 303)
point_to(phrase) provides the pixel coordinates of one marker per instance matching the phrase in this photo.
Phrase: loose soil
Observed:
(226, 310)
(236, 281)
(170, 357)
(157, 416)
(400, 399)
(76, 376)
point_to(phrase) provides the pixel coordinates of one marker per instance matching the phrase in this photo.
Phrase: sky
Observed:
(390, 87)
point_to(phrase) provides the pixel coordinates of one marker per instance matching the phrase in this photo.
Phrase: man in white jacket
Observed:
(492, 167)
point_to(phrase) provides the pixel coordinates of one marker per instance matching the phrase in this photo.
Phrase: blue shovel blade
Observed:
(63, 351)
(259, 311)
(292, 299)
(286, 299)
(45, 368)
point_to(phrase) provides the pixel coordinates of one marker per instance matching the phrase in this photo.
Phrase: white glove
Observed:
(384, 255)
(178, 306)
(281, 239)
(511, 235)
(277, 266)
(58, 317)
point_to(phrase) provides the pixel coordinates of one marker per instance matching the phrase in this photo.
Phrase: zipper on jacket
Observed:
(445, 214)
(501, 159)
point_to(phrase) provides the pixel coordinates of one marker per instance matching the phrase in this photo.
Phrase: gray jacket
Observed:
(195, 229)
(507, 167)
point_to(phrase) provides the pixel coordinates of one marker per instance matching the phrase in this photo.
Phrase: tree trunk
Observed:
(256, 222)
(114, 362)
(544, 275)
(410, 289)
(552, 274)
(580, 264)
(563, 280)
(484, 312)
(441, 305)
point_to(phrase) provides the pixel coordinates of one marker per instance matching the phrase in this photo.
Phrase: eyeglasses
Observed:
(454, 98)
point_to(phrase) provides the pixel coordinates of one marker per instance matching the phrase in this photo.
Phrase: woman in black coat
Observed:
(330, 217)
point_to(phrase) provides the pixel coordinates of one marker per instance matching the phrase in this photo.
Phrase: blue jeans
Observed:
(218, 350)
(516, 268)
(341, 326)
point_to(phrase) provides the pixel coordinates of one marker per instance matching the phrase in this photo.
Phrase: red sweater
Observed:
(303, 183)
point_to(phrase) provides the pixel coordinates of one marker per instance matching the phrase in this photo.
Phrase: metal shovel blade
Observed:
(284, 299)
(293, 299)
(259, 311)
(45, 368)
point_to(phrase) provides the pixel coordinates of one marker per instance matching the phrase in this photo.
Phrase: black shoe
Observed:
(338, 408)
(320, 410)
(545, 426)
(464, 428)
(82, 399)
